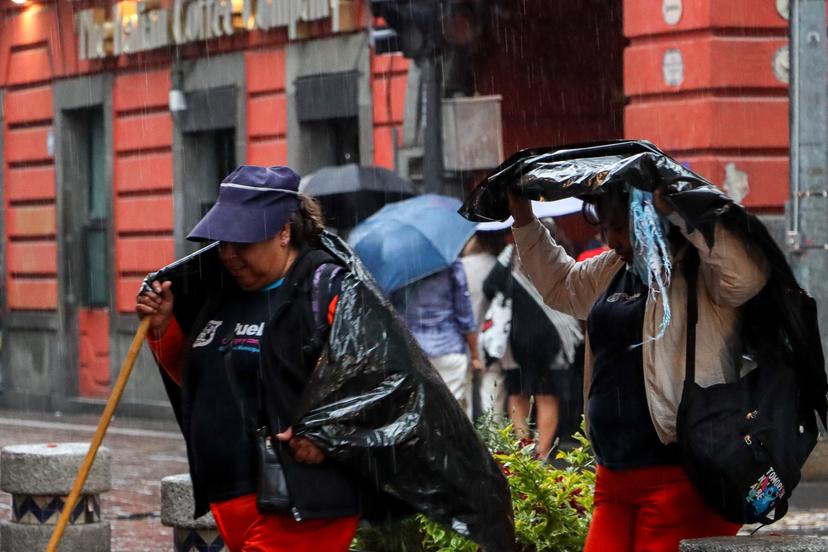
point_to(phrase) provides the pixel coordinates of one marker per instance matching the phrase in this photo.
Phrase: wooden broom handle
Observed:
(106, 417)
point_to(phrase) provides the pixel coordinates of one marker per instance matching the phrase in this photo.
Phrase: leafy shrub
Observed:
(552, 505)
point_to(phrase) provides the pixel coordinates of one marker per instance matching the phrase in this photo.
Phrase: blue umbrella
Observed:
(408, 240)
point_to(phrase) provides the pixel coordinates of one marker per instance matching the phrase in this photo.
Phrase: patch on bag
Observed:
(763, 494)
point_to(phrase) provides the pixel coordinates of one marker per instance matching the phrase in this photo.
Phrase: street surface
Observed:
(144, 451)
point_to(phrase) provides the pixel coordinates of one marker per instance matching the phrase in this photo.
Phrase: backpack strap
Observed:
(324, 288)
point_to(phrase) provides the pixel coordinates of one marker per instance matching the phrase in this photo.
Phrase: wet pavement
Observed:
(145, 451)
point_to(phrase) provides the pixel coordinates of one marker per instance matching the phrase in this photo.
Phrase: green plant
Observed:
(552, 505)
(405, 536)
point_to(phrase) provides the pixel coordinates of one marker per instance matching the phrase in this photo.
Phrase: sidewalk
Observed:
(143, 452)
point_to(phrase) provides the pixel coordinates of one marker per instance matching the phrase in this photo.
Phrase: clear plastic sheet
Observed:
(375, 404)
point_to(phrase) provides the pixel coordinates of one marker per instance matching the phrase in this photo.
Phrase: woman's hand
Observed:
(159, 305)
(521, 209)
(304, 450)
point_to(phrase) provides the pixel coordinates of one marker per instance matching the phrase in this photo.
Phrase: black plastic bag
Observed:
(375, 404)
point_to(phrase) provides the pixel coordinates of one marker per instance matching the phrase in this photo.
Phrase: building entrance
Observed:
(88, 218)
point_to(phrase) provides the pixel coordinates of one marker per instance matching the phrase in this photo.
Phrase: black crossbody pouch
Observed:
(271, 484)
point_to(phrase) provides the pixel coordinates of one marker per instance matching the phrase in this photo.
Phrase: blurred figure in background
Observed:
(438, 312)
(478, 259)
(543, 344)
(594, 247)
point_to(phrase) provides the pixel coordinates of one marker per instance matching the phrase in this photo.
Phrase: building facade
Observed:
(119, 120)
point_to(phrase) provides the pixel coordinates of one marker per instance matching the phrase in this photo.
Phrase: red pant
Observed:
(649, 510)
(244, 529)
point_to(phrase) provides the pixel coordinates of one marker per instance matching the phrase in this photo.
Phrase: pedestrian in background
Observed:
(248, 361)
(478, 259)
(635, 363)
(542, 343)
(594, 247)
(438, 311)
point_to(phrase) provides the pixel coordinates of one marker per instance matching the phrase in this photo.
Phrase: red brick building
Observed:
(101, 180)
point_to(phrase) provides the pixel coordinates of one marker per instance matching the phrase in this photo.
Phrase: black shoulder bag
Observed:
(742, 443)
(271, 484)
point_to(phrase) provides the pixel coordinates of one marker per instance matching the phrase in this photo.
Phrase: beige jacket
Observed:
(729, 275)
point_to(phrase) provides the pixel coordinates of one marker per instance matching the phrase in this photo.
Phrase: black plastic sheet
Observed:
(375, 404)
(781, 316)
(544, 174)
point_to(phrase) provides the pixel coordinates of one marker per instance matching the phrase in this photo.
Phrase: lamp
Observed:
(177, 101)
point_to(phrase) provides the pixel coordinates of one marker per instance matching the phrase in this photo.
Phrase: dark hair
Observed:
(307, 222)
(491, 242)
(616, 199)
(613, 198)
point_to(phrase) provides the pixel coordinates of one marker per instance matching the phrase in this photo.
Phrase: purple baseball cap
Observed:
(253, 204)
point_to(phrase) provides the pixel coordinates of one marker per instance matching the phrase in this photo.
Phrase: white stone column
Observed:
(177, 507)
(39, 478)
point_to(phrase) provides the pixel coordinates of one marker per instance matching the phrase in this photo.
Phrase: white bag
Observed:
(496, 326)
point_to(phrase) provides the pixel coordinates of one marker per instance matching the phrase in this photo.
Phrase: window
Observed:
(95, 219)
(208, 156)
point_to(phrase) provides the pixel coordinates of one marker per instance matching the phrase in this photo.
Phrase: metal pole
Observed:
(808, 236)
(433, 154)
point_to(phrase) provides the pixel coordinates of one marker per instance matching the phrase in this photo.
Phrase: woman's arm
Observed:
(165, 338)
(732, 273)
(168, 350)
(565, 284)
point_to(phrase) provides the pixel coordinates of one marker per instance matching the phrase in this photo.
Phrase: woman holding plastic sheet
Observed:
(635, 359)
(270, 329)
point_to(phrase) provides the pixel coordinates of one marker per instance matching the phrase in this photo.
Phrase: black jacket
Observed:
(291, 346)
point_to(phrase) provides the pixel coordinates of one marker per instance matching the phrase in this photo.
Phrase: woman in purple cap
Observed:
(263, 335)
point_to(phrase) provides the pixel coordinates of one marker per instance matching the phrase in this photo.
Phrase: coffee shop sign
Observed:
(138, 26)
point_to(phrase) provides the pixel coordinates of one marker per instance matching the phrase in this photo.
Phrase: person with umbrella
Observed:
(348, 194)
(412, 249)
(439, 313)
(261, 337)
